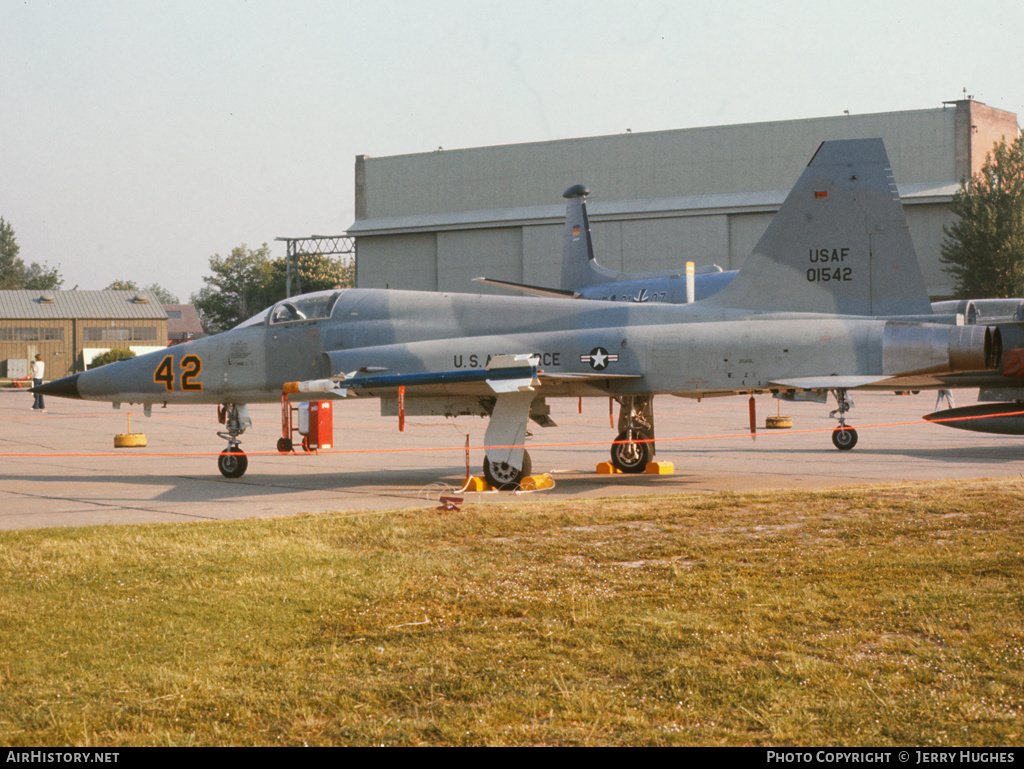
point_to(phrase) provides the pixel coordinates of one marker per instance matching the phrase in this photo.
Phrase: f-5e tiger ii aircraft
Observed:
(820, 305)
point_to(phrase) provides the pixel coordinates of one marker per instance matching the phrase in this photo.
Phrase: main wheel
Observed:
(631, 457)
(232, 463)
(503, 476)
(844, 438)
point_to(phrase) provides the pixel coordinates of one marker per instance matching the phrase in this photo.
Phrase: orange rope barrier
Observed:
(560, 445)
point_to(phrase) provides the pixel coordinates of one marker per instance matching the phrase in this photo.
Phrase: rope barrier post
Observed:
(401, 408)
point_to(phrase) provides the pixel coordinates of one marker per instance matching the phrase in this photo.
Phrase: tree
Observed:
(237, 288)
(122, 285)
(984, 248)
(248, 281)
(42, 277)
(111, 356)
(12, 269)
(162, 294)
(311, 272)
(14, 274)
(165, 296)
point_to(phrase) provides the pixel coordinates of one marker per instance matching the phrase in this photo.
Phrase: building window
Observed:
(119, 334)
(31, 334)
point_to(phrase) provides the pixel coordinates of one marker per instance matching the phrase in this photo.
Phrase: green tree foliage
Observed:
(165, 296)
(248, 281)
(162, 294)
(311, 272)
(14, 274)
(237, 288)
(984, 248)
(42, 277)
(12, 269)
(111, 356)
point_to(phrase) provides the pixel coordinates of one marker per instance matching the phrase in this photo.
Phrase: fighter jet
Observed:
(821, 305)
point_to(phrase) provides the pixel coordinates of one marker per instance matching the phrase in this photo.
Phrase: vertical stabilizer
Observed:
(579, 268)
(839, 243)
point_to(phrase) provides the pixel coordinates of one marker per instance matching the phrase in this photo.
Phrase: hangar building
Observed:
(69, 328)
(433, 221)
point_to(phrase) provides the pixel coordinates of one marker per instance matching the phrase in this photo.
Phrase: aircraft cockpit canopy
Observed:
(306, 307)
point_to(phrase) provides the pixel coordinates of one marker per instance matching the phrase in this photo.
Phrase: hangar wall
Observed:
(436, 220)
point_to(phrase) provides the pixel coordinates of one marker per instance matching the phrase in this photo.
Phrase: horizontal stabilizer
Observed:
(524, 288)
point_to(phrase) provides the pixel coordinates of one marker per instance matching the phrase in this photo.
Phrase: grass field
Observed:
(883, 616)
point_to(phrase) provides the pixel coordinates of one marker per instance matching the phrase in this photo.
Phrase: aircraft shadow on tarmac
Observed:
(214, 488)
(423, 482)
(975, 454)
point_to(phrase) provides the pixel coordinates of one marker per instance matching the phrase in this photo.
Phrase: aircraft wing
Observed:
(829, 382)
(504, 373)
(525, 288)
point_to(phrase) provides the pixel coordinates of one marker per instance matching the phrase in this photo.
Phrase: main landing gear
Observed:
(634, 445)
(232, 462)
(505, 477)
(843, 438)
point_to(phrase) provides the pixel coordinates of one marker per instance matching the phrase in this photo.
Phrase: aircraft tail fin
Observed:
(579, 268)
(839, 243)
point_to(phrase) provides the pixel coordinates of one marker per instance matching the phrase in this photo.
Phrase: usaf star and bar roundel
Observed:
(599, 358)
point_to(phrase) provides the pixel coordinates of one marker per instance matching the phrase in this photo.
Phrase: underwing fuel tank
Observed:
(913, 348)
(998, 418)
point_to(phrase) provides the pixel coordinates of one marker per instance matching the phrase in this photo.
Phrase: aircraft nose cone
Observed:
(61, 388)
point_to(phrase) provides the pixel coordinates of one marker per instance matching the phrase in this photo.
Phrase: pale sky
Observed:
(138, 138)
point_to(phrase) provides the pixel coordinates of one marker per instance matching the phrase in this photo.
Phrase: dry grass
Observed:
(882, 616)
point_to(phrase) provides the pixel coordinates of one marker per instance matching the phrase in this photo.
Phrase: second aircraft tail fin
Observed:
(579, 268)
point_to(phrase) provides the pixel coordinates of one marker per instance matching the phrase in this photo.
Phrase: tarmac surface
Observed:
(60, 468)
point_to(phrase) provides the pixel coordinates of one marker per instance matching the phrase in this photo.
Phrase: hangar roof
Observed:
(689, 162)
(58, 305)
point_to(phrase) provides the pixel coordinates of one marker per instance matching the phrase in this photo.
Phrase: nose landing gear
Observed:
(232, 462)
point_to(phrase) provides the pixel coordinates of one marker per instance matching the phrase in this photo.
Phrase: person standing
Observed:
(38, 371)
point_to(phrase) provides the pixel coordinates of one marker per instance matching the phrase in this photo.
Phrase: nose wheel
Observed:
(232, 461)
(844, 438)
